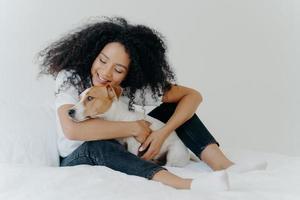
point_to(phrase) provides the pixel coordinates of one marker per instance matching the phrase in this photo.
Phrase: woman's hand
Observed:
(141, 130)
(153, 143)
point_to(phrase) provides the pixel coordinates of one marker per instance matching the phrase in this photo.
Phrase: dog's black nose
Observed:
(71, 113)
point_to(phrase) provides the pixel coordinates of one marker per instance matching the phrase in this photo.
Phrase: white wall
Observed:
(241, 55)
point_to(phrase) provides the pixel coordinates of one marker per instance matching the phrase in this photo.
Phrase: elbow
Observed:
(69, 132)
(198, 96)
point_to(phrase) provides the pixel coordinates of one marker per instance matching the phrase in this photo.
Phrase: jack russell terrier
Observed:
(103, 102)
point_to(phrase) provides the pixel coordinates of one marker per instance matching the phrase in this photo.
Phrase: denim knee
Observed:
(193, 132)
(112, 154)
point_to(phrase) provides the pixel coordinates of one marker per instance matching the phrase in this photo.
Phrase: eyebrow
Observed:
(117, 63)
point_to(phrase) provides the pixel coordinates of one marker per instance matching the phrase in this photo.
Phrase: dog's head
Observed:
(94, 102)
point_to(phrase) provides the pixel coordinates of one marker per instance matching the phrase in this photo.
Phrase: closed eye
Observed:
(102, 61)
(118, 71)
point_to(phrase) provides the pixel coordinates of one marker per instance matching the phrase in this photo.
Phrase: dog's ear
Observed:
(114, 91)
(84, 93)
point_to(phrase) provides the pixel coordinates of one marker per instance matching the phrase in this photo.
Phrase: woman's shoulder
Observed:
(65, 74)
(62, 81)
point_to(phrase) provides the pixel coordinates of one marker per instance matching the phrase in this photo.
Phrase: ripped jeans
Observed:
(112, 154)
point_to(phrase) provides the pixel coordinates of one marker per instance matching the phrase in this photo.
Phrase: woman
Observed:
(133, 57)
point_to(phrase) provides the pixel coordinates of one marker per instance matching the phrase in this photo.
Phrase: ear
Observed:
(84, 93)
(114, 91)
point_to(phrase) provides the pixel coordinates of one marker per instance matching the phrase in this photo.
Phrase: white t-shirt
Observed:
(70, 96)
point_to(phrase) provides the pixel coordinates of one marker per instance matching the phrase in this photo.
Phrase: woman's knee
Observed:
(163, 112)
(96, 152)
(103, 146)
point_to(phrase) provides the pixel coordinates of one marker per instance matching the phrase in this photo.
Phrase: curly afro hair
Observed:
(77, 51)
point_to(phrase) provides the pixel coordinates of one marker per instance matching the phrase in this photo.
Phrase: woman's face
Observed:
(111, 65)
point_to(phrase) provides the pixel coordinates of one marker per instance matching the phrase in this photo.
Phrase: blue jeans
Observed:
(112, 154)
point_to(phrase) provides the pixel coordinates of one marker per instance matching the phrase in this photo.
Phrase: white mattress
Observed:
(281, 180)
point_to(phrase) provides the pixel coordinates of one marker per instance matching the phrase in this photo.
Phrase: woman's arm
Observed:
(187, 100)
(98, 129)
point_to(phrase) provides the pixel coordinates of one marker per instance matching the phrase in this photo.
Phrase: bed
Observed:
(29, 168)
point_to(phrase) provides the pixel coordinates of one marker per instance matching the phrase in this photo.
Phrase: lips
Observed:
(101, 80)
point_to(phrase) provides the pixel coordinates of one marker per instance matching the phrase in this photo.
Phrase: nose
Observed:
(107, 71)
(71, 112)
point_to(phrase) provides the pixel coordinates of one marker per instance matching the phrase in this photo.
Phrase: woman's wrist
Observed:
(131, 128)
(166, 130)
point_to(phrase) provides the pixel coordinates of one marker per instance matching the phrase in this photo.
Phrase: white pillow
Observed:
(27, 134)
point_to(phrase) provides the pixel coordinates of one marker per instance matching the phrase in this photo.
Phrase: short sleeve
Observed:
(149, 100)
(65, 94)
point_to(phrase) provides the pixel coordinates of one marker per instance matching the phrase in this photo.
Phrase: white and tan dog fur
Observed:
(103, 102)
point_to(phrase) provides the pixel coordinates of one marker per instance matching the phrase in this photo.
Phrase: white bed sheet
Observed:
(281, 180)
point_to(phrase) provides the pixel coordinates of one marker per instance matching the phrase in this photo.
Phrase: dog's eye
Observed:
(89, 98)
